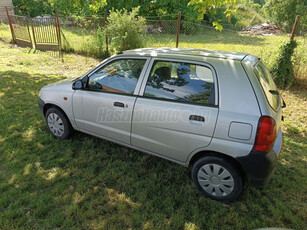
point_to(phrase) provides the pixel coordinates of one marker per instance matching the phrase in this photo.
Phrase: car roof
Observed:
(162, 51)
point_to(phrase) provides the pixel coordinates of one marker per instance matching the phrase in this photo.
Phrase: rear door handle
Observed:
(119, 104)
(196, 118)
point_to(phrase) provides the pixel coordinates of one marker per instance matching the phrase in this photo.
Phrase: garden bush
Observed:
(125, 30)
(282, 70)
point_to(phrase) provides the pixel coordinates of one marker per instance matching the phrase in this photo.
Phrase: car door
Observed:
(177, 109)
(105, 106)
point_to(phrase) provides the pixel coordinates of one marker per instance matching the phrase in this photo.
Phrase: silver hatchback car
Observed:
(218, 112)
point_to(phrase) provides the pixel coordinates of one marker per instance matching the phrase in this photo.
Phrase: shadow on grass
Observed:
(297, 90)
(300, 84)
(86, 182)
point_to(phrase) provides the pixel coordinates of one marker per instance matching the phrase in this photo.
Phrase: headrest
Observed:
(163, 72)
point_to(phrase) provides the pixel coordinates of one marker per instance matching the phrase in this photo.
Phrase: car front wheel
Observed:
(217, 178)
(58, 124)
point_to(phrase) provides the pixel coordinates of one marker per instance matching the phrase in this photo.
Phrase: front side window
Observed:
(119, 76)
(181, 81)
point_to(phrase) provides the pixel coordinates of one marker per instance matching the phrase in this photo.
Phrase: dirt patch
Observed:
(262, 29)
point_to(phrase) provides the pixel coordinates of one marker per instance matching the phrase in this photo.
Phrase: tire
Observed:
(58, 124)
(217, 178)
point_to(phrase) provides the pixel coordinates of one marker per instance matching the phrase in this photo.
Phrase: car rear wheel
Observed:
(58, 124)
(217, 178)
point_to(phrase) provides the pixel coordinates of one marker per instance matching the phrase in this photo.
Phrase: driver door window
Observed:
(119, 76)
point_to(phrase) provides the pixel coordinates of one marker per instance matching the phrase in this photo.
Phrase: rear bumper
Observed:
(259, 166)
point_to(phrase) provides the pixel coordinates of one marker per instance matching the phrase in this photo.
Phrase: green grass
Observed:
(88, 183)
(82, 40)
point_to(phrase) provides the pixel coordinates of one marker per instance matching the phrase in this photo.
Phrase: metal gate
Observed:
(45, 31)
(19, 26)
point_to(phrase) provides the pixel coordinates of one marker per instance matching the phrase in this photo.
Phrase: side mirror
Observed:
(77, 85)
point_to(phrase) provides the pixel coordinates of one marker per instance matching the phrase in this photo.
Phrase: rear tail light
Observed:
(266, 134)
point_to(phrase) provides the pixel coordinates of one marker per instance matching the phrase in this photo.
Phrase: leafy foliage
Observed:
(78, 7)
(100, 44)
(283, 12)
(125, 30)
(283, 69)
(68, 7)
(211, 6)
(247, 13)
(97, 6)
(32, 7)
(154, 8)
(260, 2)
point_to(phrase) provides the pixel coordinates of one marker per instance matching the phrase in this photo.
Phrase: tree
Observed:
(154, 8)
(211, 6)
(78, 7)
(35, 8)
(32, 8)
(283, 12)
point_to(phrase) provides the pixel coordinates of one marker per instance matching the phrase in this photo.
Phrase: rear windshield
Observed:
(267, 84)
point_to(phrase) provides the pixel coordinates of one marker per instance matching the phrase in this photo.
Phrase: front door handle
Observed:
(119, 104)
(196, 118)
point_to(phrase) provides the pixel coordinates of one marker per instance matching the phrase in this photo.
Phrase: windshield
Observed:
(268, 84)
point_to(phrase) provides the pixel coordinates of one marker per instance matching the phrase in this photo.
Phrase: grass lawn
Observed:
(88, 183)
(82, 40)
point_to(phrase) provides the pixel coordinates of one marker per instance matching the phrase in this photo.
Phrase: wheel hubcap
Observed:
(55, 124)
(215, 180)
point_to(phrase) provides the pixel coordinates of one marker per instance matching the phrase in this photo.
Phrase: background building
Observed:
(9, 5)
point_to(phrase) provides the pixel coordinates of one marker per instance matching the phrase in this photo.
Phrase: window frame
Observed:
(207, 65)
(117, 58)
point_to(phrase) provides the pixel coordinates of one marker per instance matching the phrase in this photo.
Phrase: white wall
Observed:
(3, 4)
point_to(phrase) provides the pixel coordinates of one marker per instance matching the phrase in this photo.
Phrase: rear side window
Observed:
(181, 81)
(268, 84)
